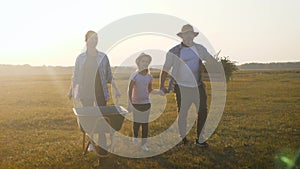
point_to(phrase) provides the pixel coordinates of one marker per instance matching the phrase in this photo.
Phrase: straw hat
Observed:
(142, 55)
(187, 28)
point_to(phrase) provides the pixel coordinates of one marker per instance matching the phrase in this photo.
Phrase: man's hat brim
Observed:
(180, 33)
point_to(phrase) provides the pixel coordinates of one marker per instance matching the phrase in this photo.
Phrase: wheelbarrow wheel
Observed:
(100, 151)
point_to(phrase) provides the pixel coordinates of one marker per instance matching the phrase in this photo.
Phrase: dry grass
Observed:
(260, 124)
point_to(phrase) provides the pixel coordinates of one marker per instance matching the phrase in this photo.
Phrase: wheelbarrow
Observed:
(99, 120)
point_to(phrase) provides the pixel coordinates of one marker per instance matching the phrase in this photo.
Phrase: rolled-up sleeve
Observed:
(109, 76)
(206, 55)
(75, 73)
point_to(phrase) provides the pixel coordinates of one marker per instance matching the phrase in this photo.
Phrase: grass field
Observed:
(260, 126)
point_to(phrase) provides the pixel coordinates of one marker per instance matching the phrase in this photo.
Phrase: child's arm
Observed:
(129, 107)
(130, 90)
(150, 87)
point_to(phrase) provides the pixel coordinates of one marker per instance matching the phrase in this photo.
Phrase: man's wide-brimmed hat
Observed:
(187, 28)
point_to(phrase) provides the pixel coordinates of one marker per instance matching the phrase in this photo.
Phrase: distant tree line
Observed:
(282, 65)
(228, 66)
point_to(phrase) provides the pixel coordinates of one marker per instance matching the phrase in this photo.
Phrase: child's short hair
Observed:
(142, 55)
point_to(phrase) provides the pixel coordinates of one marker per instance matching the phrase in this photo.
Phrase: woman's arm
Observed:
(74, 79)
(114, 85)
(110, 78)
(70, 94)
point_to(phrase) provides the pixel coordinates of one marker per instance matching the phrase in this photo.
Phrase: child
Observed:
(139, 88)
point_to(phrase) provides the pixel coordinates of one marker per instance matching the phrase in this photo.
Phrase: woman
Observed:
(91, 75)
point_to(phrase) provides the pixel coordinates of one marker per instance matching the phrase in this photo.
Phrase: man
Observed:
(91, 75)
(185, 59)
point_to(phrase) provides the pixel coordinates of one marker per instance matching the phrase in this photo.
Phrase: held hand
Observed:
(164, 90)
(159, 92)
(118, 94)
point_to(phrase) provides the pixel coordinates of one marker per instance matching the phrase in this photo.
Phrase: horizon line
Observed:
(25, 64)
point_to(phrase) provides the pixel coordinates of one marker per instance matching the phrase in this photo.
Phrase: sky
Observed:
(52, 32)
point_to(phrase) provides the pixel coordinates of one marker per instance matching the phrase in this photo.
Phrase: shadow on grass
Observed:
(181, 156)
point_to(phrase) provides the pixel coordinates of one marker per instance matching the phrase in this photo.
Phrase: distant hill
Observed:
(33, 70)
(37, 70)
(278, 65)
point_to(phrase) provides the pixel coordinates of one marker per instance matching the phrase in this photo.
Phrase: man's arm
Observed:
(110, 78)
(206, 55)
(167, 66)
(163, 77)
(114, 85)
